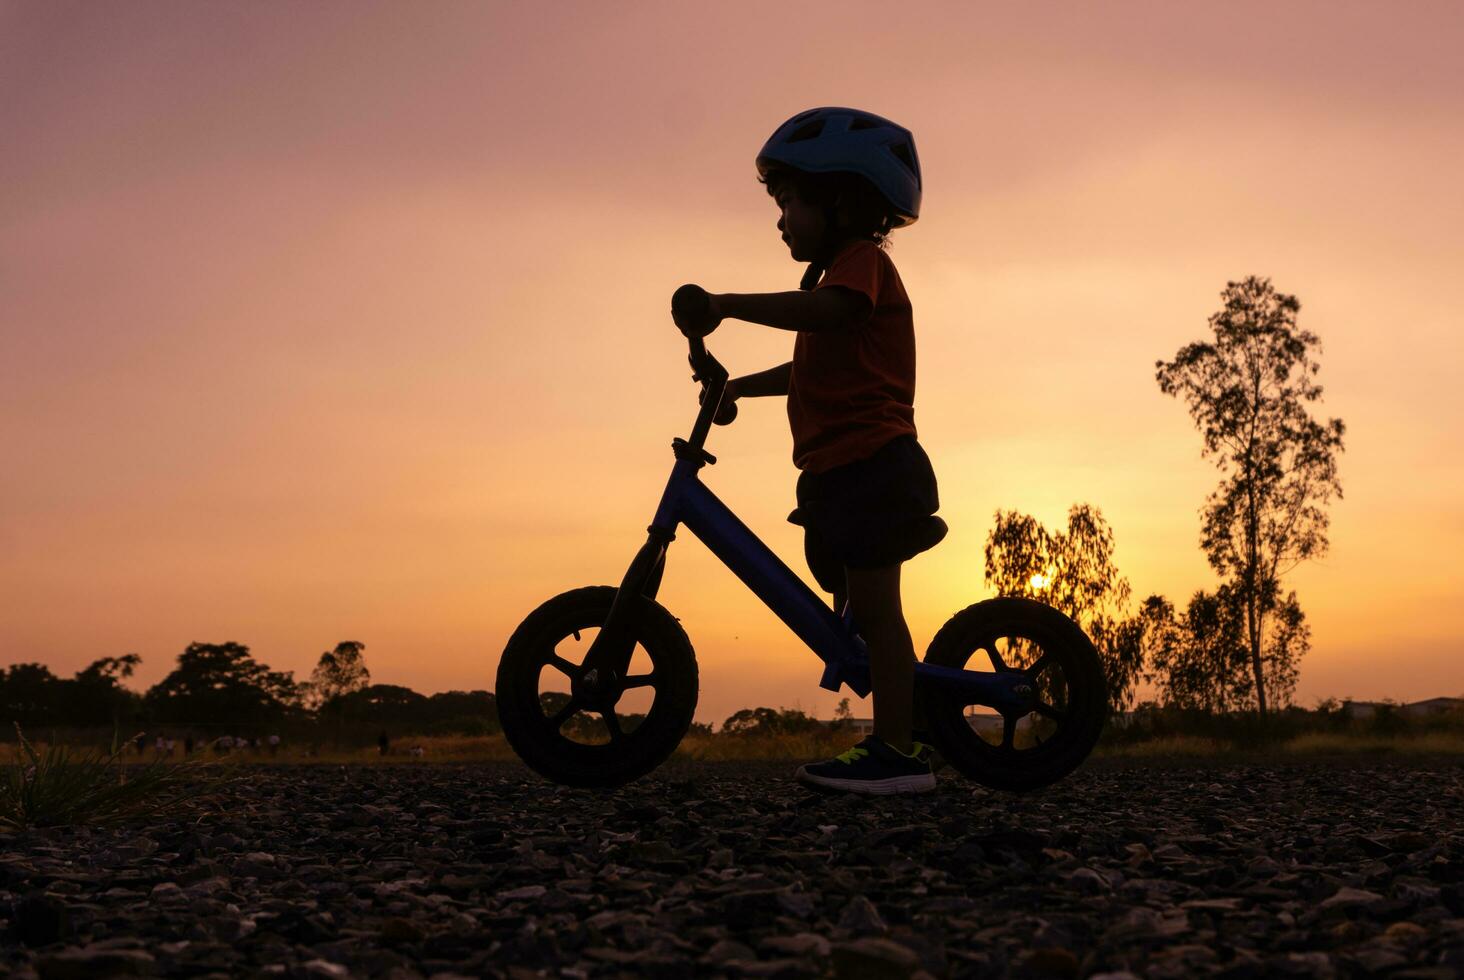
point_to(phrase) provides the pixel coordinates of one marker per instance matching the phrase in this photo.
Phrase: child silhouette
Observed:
(842, 180)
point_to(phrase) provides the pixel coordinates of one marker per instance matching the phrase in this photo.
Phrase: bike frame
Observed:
(686, 500)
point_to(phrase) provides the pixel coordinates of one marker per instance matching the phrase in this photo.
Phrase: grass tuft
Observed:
(61, 786)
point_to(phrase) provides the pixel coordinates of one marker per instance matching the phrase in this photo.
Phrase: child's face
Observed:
(802, 225)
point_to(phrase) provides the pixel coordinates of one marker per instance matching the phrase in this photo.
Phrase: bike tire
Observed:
(1085, 706)
(542, 745)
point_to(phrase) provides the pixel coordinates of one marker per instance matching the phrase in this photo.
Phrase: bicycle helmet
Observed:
(835, 140)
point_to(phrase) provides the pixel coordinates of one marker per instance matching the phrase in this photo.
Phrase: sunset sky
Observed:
(339, 321)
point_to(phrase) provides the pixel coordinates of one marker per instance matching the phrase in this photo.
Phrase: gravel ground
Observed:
(730, 869)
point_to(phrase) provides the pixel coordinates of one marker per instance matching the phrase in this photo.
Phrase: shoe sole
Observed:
(895, 785)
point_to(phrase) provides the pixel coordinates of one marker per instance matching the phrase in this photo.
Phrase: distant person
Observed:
(170, 744)
(382, 743)
(141, 744)
(188, 744)
(158, 745)
(842, 180)
(274, 745)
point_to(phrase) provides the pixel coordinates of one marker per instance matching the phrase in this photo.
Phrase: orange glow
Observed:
(339, 322)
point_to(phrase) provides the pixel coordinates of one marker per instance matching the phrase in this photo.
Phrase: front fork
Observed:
(608, 658)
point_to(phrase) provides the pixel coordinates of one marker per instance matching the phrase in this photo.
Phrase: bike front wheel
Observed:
(1045, 739)
(618, 738)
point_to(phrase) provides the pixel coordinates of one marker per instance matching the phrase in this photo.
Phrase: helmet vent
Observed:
(807, 131)
(863, 124)
(903, 154)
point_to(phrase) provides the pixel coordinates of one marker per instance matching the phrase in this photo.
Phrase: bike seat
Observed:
(924, 534)
(917, 536)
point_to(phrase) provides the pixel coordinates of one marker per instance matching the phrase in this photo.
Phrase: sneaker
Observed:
(873, 768)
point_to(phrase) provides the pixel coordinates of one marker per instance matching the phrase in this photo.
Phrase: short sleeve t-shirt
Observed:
(852, 391)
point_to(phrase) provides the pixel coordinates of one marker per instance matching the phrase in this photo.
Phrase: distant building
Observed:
(1416, 709)
(1433, 706)
(1362, 709)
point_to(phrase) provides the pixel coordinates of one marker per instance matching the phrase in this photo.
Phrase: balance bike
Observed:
(1033, 667)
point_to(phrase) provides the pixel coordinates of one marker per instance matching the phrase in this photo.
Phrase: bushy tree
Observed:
(472, 712)
(96, 695)
(30, 695)
(397, 707)
(36, 698)
(1073, 571)
(1248, 390)
(1200, 658)
(770, 721)
(379, 704)
(339, 671)
(221, 682)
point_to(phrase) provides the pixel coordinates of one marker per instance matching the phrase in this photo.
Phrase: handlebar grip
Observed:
(691, 302)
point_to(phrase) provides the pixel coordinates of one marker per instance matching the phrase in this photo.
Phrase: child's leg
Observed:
(874, 595)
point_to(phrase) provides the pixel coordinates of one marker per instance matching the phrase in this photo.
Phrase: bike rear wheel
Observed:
(1043, 740)
(578, 742)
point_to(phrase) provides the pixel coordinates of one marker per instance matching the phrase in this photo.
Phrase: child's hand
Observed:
(695, 311)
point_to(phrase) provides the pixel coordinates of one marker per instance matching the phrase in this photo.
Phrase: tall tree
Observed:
(1073, 571)
(338, 672)
(1248, 390)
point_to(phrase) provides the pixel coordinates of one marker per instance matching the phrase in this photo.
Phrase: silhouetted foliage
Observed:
(30, 695)
(36, 698)
(1247, 391)
(97, 694)
(378, 704)
(1072, 571)
(1200, 657)
(770, 721)
(221, 683)
(339, 671)
(401, 708)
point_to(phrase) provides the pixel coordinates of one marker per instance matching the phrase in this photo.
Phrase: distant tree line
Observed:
(220, 686)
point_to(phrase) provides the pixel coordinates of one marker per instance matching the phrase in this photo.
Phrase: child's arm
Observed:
(835, 308)
(773, 381)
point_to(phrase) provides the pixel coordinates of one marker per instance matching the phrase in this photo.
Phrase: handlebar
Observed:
(691, 304)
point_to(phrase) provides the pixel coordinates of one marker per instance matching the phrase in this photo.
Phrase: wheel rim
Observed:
(591, 710)
(1052, 724)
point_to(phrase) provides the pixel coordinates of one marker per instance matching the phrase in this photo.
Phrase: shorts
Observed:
(858, 515)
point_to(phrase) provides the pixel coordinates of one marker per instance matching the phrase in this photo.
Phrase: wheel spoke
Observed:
(563, 666)
(1042, 707)
(612, 723)
(640, 680)
(995, 655)
(564, 714)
